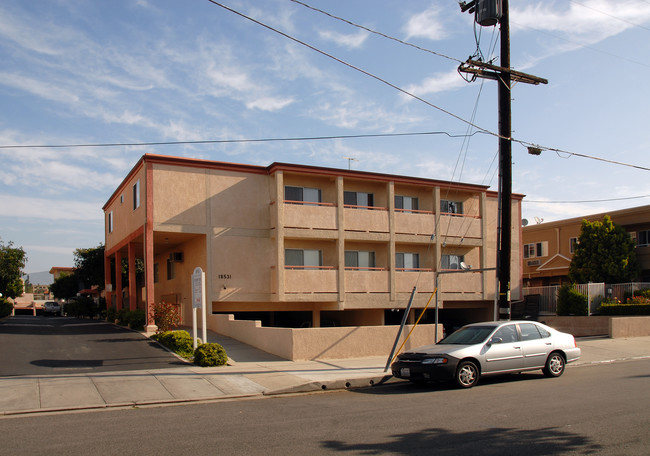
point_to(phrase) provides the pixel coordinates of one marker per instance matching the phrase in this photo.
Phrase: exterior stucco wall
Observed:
(321, 343)
(126, 220)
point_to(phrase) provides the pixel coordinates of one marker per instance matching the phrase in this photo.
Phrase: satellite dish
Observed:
(465, 266)
(524, 222)
(538, 220)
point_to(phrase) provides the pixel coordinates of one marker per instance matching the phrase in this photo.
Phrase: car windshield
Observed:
(469, 335)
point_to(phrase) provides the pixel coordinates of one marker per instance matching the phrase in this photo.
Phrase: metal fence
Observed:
(595, 293)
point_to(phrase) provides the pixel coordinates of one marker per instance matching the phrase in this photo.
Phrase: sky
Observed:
(78, 72)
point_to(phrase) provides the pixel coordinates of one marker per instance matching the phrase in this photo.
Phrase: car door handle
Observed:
(518, 348)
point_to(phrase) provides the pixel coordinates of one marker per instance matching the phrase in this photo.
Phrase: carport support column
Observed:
(118, 280)
(133, 303)
(107, 281)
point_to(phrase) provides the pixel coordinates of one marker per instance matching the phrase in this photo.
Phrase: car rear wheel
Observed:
(554, 365)
(467, 374)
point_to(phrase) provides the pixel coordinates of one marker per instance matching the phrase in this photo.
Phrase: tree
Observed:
(65, 286)
(605, 253)
(89, 266)
(12, 262)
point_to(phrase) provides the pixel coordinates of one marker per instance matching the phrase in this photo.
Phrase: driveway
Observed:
(38, 345)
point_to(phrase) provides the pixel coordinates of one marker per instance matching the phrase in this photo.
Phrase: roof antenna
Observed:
(350, 159)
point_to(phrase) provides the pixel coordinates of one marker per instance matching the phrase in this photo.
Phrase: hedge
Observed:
(177, 341)
(624, 309)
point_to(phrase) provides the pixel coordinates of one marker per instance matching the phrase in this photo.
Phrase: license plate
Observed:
(405, 372)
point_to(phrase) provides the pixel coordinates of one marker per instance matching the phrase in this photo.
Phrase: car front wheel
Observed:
(467, 374)
(554, 365)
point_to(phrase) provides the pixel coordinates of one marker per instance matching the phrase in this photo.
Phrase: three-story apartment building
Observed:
(303, 246)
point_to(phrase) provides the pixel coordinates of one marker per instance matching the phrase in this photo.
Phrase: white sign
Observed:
(198, 302)
(197, 288)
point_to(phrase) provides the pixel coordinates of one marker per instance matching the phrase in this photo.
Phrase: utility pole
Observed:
(489, 12)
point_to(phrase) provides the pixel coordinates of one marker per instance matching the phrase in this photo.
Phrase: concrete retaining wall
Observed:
(600, 325)
(321, 343)
(629, 327)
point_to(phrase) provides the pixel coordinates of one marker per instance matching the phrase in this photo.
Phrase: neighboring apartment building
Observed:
(548, 247)
(303, 246)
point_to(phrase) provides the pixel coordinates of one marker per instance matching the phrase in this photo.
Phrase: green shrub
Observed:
(177, 341)
(137, 319)
(571, 302)
(122, 316)
(624, 309)
(208, 355)
(111, 314)
(81, 307)
(5, 308)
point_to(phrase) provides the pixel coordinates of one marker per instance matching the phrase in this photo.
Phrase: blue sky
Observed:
(80, 72)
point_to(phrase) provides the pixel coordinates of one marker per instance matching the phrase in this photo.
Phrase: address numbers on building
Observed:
(224, 276)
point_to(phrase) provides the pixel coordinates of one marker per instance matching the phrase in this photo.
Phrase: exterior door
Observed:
(507, 354)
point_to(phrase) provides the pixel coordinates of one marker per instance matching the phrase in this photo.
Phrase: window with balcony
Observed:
(302, 195)
(355, 259)
(406, 203)
(407, 261)
(451, 261)
(358, 200)
(451, 207)
(303, 259)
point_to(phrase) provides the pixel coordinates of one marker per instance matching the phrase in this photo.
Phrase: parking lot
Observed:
(42, 345)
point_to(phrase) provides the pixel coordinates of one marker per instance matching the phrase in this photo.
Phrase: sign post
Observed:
(198, 302)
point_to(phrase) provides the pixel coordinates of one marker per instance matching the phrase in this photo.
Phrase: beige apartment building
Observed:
(548, 247)
(299, 246)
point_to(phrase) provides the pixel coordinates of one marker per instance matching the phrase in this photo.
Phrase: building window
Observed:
(407, 261)
(303, 259)
(643, 238)
(155, 272)
(171, 270)
(358, 200)
(406, 203)
(121, 199)
(535, 250)
(136, 195)
(451, 261)
(305, 195)
(110, 222)
(359, 259)
(451, 207)
(573, 243)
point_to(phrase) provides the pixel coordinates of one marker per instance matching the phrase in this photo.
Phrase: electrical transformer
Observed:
(488, 12)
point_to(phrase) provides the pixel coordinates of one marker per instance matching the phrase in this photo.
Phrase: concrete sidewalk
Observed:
(251, 373)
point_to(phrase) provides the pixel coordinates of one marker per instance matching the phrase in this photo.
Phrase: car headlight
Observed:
(437, 360)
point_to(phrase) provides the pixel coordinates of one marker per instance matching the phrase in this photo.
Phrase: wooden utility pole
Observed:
(504, 239)
(505, 76)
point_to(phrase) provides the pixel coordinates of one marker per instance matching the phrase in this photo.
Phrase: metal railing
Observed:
(595, 292)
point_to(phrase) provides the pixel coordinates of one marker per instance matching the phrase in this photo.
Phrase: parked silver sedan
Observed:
(486, 349)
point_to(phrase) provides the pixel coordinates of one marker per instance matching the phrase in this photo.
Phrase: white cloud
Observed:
(354, 41)
(440, 82)
(41, 208)
(427, 24)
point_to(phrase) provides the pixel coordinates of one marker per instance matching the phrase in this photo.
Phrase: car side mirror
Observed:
(495, 340)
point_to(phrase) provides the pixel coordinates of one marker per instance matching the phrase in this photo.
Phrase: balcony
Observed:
(366, 219)
(415, 222)
(318, 216)
(310, 280)
(460, 225)
(366, 280)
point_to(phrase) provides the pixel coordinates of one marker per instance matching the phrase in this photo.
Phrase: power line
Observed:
(226, 141)
(376, 32)
(586, 201)
(609, 15)
(360, 70)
